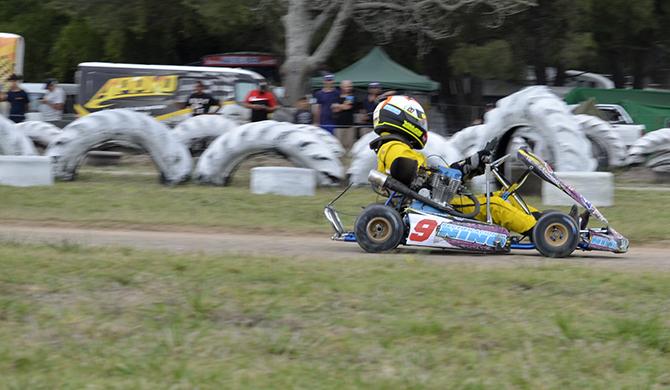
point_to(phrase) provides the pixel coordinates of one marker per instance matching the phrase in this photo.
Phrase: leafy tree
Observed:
(39, 26)
(630, 36)
(77, 42)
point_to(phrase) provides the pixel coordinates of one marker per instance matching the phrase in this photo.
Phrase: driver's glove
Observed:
(474, 165)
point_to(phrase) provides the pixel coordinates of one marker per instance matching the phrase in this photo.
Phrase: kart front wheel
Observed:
(556, 234)
(379, 228)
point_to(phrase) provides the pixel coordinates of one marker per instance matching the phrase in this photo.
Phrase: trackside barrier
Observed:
(25, 171)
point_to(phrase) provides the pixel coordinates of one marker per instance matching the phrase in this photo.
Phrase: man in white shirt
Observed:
(53, 102)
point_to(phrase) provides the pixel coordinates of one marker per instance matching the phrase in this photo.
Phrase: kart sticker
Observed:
(472, 236)
(434, 231)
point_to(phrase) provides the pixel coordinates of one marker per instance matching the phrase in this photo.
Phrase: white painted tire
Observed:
(657, 141)
(13, 142)
(68, 150)
(236, 113)
(538, 108)
(606, 138)
(41, 133)
(326, 137)
(302, 147)
(202, 127)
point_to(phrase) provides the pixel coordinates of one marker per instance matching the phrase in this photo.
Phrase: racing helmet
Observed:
(403, 116)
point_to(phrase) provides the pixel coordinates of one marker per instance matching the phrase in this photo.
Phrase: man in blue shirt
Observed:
(325, 98)
(18, 100)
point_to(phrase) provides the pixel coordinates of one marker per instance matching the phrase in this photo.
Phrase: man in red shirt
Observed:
(261, 102)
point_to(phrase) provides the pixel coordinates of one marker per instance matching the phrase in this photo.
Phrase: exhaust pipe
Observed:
(385, 181)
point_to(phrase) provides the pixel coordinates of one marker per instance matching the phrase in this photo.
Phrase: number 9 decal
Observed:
(423, 230)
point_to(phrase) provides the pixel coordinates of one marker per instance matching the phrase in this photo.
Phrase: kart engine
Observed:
(444, 183)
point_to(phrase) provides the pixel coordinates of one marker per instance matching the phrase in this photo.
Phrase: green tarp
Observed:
(378, 66)
(649, 108)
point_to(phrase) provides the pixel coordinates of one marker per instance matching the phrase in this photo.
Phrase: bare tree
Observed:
(429, 20)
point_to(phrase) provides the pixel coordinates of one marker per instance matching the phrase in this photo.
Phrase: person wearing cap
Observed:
(261, 102)
(53, 102)
(325, 98)
(375, 96)
(17, 98)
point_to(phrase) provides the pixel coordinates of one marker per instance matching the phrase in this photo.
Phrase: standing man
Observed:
(344, 110)
(17, 98)
(261, 102)
(53, 102)
(375, 96)
(325, 98)
(199, 101)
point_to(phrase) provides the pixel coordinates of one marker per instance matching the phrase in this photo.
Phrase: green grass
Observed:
(103, 200)
(72, 317)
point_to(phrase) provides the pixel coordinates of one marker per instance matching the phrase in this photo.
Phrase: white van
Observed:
(159, 90)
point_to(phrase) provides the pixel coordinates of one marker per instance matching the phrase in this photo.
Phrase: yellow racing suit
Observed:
(506, 213)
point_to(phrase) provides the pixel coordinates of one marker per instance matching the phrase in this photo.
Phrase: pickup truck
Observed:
(619, 118)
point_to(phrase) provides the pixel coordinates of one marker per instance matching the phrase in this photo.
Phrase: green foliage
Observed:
(580, 51)
(493, 60)
(77, 42)
(39, 26)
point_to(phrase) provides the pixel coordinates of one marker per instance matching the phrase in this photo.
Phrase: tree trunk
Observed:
(295, 75)
(540, 73)
(560, 75)
(299, 29)
(476, 91)
(617, 71)
(639, 70)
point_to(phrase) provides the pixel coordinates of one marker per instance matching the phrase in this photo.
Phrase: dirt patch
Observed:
(310, 247)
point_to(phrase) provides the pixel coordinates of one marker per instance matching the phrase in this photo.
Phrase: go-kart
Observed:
(427, 219)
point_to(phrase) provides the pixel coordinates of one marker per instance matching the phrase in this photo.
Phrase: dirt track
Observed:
(654, 257)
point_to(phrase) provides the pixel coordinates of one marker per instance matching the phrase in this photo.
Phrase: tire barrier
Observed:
(300, 145)
(41, 133)
(538, 108)
(202, 127)
(438, 150)
(68, 150)
(12, 141)
(608, 148)
(326, 137)
(653, 150)
(235, 112)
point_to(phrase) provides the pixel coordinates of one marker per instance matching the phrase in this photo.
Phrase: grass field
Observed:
(138, 201)
(73, 317)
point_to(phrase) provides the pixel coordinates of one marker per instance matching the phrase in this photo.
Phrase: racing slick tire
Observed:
(379, 228)
(556, 234)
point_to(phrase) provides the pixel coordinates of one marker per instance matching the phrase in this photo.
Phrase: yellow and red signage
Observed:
(11, 55)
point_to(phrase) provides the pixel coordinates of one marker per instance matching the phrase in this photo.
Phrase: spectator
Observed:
(303, 115)
(344, 110)
(375, 96)
(261, 102)
(17, 98)
(325, 98)
(201, 102)
(53, 102)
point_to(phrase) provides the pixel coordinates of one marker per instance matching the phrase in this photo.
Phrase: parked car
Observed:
(618, 117)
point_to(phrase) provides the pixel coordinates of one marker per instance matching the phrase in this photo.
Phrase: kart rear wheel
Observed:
(379, 228)
(556, 234)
